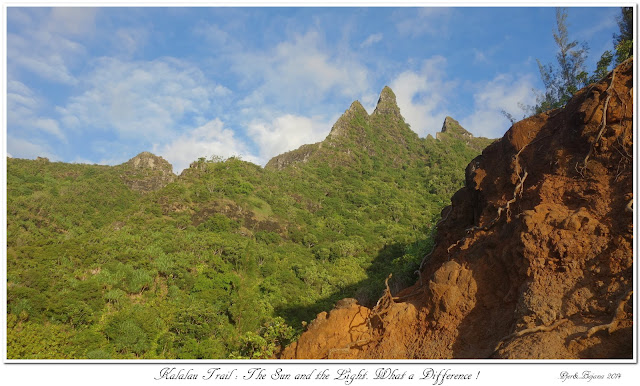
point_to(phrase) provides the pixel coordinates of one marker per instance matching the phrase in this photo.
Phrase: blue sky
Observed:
(100, 85)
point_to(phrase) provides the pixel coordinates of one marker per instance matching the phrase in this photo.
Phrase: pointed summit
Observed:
(387, 103)
(452, 126)
(356, 135)
(346, 120)
(452, 130)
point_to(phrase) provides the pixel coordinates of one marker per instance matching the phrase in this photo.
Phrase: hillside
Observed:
(533, 259)
(228, 259)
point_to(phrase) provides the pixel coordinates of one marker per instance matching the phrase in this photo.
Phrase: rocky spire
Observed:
(346, 120)
(451, 125)
(454, 128)
(387, 103)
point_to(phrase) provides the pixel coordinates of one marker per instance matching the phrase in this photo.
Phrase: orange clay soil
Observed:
(533, 259)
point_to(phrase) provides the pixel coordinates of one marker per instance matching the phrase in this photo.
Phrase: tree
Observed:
(623, 44)
(561, 81)
(624, 41)
(602, 69)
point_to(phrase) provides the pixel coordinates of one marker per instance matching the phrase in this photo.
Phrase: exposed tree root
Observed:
(384, 303)
(529, 331)
(603, 125)
(617, 316)
(517, 192)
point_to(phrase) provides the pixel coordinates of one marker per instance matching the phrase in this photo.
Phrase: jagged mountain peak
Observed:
(450, 125)
(357, 107)
(385, 129)
(387, 103)
(340, 128)
(452, 129)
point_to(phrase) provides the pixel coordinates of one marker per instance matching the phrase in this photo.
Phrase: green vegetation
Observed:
(561, 81)
(568, 75)
(624, 41)
(227, 260)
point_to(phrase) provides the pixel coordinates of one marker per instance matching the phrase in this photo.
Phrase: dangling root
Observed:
(529, 331)
(517, 192)
(384, 303)
(603, 125)
(617, 316)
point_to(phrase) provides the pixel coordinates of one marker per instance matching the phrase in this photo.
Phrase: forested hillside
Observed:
(227, 260)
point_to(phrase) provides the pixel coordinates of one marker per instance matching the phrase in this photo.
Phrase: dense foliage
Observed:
(229, 259)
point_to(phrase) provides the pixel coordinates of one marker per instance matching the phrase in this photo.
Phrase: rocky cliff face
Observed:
(533, 258)
(147, 172)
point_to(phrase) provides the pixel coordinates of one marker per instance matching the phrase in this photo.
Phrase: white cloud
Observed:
(209, 139)
(423, 96)
(371, 39)
(50, 126)
(423, 21)
(22, 148)
(140, 99)
(504, 92)
(215, 36)
(43, 55)
(301, 73)
(129, 41)
(369, 101)
(23, 113)
(46, 44)
(299, 81)
(286, 132)
(72, 21)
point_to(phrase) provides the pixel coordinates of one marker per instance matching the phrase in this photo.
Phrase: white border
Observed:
(522, 372)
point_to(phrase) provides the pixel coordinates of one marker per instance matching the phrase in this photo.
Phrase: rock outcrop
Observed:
(452, 126)
(147, 172)
(387, 104)
(452, 129)
(533, 258)
(299, 155)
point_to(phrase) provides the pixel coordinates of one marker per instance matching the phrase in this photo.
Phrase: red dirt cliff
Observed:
(534, 257)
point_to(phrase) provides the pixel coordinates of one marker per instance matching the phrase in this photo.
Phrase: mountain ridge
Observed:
(385, 125)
